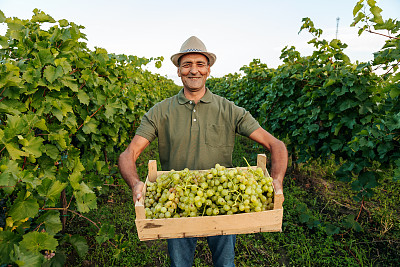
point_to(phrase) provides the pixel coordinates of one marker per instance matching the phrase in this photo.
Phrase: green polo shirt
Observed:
(196, 136)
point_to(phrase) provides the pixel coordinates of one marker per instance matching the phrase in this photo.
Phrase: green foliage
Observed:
(246, 91)
(66, 114)
(326, 105)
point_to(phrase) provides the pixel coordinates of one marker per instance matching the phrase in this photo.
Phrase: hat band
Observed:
(192, 50)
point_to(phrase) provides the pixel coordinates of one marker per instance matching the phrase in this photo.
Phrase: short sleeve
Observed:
(246, 123)
(147, 128)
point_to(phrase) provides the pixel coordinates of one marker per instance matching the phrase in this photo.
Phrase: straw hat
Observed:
(193, 45)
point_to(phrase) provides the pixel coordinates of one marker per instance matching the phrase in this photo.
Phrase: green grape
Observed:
(221, 201)
(241, 207)
(209, 193)
(192, 214)
(209, 211)
(215, 211)
(248, 191)
(223, 178)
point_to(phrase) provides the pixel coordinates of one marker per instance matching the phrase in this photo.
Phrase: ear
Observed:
(179, 72)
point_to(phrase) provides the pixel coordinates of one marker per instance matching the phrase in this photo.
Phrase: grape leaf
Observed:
(40, 16)
(32, 145)
(63, 22)
(35, 241)
(51, 73)
(376, 11)
(52, 222)
(24, 257)
(51, 189)
(70, 83)
(14, 152)
(105, 233)
(90, 127)
(7, 241)
(357, 8)
(51, 151)
(24, 208)
(45, 57)
(83, 97)
(85, 201)
(80, 244)
(2, 17)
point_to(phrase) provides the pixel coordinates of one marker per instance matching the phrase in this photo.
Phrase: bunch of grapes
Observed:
(216, 191)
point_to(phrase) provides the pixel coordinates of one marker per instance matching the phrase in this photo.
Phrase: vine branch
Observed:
(388, 36)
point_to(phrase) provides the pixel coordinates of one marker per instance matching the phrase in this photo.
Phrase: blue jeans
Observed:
(181, 250)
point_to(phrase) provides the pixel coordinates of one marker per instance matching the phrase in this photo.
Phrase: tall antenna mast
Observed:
(337, 26)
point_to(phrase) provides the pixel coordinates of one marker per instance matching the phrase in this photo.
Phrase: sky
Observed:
(236, 31)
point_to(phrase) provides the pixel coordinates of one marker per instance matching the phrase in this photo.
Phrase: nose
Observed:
(194, 69)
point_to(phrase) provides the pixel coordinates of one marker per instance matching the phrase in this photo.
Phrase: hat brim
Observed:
(211, 57)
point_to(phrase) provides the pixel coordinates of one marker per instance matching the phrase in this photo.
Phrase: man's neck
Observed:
(194, 96)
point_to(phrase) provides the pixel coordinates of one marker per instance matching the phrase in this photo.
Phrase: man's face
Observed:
(194, 70)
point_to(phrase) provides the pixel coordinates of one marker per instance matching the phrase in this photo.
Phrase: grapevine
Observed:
(66, 113)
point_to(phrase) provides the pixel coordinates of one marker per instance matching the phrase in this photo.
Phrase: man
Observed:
(196, 129)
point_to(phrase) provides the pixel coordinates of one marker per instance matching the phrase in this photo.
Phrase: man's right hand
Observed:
(137, 191)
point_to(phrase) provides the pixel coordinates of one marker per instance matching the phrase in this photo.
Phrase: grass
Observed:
(310, 189)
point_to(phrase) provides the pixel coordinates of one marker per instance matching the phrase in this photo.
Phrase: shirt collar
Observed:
(207, 97)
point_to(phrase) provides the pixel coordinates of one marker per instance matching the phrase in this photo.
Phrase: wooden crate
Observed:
(243, 223)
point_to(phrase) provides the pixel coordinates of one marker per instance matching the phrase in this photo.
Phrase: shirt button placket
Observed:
(194, 116)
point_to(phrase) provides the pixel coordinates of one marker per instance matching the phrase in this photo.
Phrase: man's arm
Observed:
(127, 165)
(279, 155)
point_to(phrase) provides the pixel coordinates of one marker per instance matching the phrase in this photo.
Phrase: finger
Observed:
(137, 191)
(136, 197)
